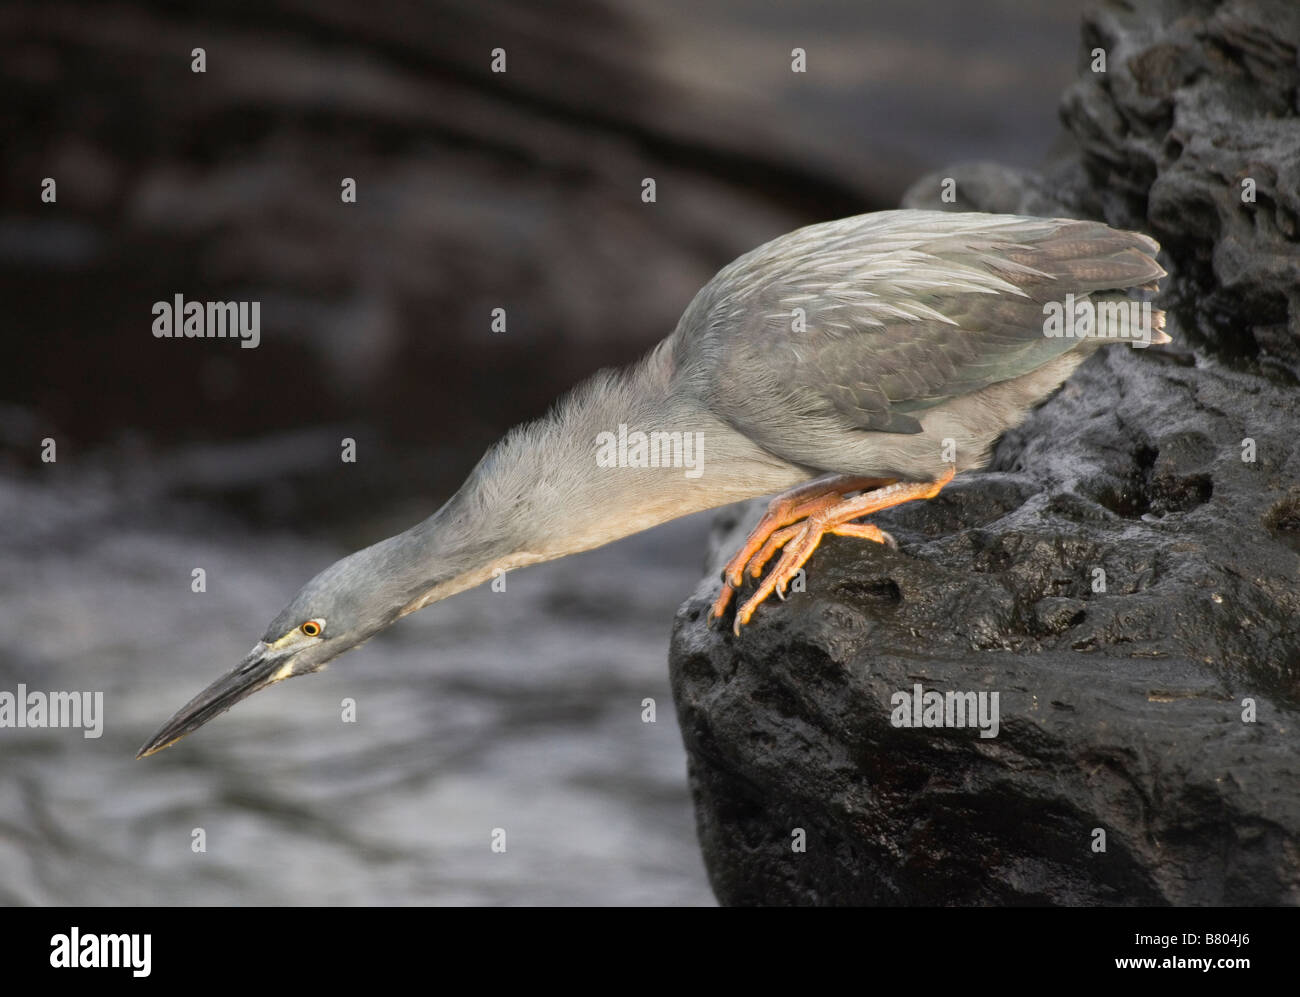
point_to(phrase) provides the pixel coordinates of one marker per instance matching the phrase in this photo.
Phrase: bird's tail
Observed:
(1113, 274)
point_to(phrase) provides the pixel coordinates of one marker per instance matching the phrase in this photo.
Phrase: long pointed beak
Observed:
(262, 667)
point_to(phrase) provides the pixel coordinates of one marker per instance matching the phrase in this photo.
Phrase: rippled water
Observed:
(518, 710)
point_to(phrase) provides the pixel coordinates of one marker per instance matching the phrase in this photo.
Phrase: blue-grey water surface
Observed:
(519, 710)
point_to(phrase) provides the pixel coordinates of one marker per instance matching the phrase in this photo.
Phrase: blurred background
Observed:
(475, 190)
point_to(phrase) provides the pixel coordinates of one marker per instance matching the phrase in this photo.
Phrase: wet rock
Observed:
(1124, 577)
(1190, 133)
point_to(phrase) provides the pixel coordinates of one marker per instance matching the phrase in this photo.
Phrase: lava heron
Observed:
(851, 366)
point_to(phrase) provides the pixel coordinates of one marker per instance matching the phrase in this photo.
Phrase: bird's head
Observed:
(335, 612)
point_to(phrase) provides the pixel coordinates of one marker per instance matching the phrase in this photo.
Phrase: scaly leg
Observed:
(800, 541)
(787, 508)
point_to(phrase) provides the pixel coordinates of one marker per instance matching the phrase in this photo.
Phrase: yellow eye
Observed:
(311, 628)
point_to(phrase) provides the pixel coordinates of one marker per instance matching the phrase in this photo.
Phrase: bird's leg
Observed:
(780, 538)
(802, 539)
(787, 508)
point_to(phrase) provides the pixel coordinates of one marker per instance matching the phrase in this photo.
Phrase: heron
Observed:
(844, 368)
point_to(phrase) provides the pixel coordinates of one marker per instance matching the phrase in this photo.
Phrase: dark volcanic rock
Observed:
(1195, 113)
(1120, 710)
(1123, 576)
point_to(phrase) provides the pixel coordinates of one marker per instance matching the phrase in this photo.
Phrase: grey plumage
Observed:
(914, 328)
(906, 310)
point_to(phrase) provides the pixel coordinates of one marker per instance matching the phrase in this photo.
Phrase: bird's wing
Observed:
(869, 321)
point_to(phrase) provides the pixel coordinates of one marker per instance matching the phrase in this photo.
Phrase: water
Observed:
(518, 710)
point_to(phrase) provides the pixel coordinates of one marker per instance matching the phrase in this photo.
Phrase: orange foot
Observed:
(824, 509)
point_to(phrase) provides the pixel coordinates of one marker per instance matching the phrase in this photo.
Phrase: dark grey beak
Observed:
(261, 668)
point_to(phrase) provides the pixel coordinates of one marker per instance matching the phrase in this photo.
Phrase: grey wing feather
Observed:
(866, 322)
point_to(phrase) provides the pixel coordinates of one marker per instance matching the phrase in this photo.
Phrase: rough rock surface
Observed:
(1125, 708)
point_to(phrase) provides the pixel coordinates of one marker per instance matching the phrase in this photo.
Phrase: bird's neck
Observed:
(624, 451)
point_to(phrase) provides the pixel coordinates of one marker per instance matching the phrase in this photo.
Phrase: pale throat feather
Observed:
(540, 493)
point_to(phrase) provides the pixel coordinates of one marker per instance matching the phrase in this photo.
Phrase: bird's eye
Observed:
(311, 628)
